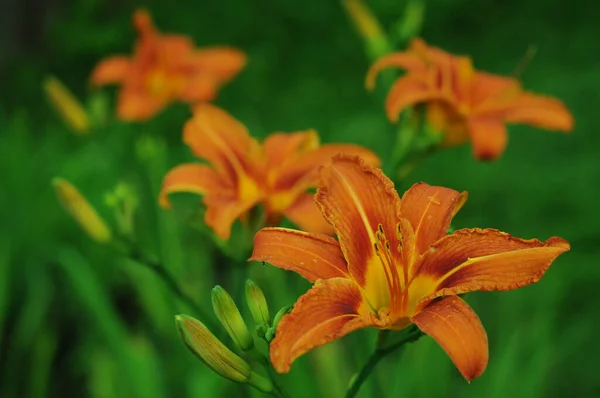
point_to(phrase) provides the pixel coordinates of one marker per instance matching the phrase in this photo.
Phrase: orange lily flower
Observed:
(391, 263)
(165, 68)
(242, 173)
(464, 103)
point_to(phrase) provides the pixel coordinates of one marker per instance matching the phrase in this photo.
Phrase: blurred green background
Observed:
(78, 320)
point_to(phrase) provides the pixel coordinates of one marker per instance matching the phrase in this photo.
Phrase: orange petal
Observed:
(221, 63)
(142, 20)
(214, 135)
(194, 178)
(136, 105)
(430, 210)
(223, 210)
(489, 137)
(410, 90)
(358, 200)
(175, 51)
(199, 88)
(486, 259)
(457, 328)
(488, 88)
(405, 60)
(111, 70)
(325, 313)
(540, 111)
(303, 168)
(314, 256)
(306, 215)
(280, 147)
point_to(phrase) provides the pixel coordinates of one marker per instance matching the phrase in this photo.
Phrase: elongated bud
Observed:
(368, 27)
(410, 26)
(257, 303)
(80, 209)
(230, 318)
(211, 351)
(67, 105)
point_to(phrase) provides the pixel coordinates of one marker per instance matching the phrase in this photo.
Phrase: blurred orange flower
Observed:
(392, 260)
(165, 68)
(463, 103)
(243, 173)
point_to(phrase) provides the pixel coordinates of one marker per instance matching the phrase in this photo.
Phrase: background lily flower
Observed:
(243, 173)
(165, 68)
(465, 104)
(391, 261)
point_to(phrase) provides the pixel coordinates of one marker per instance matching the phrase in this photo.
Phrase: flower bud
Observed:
(67, 105)
(368, 27)
(80, 209)
(257, 304)
(230, 318)
(211, 351)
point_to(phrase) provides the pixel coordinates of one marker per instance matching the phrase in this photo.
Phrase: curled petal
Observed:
(221, 63)
(410, 90)
(305, 213)
(489, 137)
(540, 111)
(194, 178)
(361, 204)
(313, 256)
(325, 313)
(457, 328)
(486, 259)
(405, 60)
(111, 70)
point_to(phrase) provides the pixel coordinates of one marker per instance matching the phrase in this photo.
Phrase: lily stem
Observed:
(410, 335)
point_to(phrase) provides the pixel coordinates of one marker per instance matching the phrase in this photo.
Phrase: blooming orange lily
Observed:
(394, 264)
(165, 68)
(463, 103)
(243, 173)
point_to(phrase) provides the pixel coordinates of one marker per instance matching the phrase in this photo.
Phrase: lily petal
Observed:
(216, 136)
(222, 211)
(199, 88)
(430, 210)
(313, 256)
(136, 105)
(221, 63)
(306, 215)
(325, 313)
(489, 137)
(540, 111)
(194, 178)
(486, 259)
(457, 328)
(405, 60)
(111, 70)
(358, 200)
(280, 147)
(410, 90)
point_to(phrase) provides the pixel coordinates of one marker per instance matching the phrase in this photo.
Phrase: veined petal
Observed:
(361, 204)
(430, 210)
(111, 70)
(214, 135)
(194, 178)
(303, 168)
(325, 313)
(280, 147)
(457, 328)
(305, 213)
(314, 256)
(405, 60)
(540, 111)
(489, 137)
(486, 259)
(134, 105)
(221, 63)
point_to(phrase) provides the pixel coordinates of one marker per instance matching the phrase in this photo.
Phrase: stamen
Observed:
(389, 267)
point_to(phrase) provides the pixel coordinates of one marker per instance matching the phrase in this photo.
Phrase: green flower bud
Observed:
(257, 304)
(211, 351)
(231, 319)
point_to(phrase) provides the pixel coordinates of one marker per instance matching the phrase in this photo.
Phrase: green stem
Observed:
(412, 334)
(264, 361)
